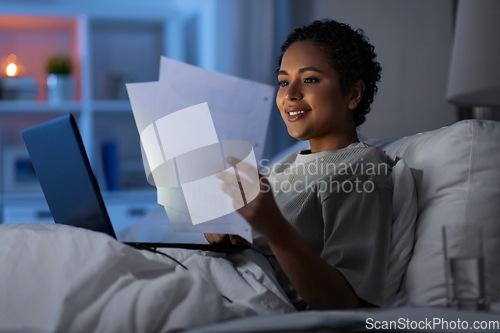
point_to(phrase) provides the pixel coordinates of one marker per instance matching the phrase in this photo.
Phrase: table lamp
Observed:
(474, 77)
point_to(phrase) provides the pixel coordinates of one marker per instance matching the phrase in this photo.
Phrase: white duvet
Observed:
(56, 278)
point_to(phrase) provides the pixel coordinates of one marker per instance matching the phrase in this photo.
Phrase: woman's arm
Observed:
(320, 285)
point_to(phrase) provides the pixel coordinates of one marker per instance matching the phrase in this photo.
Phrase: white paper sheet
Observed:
(189, 121)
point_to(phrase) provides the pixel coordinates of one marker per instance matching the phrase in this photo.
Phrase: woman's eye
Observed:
(283, 83)
(310, 80)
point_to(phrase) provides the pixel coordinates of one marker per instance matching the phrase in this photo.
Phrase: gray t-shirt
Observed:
(340, 202)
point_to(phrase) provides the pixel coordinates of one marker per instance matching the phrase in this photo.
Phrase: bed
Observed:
(62, 279)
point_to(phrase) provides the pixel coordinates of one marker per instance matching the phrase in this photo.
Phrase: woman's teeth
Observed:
(296, 112)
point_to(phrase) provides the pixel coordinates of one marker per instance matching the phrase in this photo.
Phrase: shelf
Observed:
(111, 106)
(38, 107)
(108, 52)
(131, 196)
(22, 198)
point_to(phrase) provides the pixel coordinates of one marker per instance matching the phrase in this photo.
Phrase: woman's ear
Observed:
(357, 91)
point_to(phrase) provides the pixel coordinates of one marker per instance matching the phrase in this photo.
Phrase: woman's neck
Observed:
(333, 143)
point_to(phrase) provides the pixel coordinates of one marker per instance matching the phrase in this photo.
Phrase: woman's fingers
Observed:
(226, 239)
(243, 166)
(248, 181)
(209, 238)
(234, 193)
(229, 179)
(235, 239)
(225, 176)
(221, 238)
(250, 171)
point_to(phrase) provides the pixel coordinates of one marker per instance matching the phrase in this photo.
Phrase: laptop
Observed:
(70, 188)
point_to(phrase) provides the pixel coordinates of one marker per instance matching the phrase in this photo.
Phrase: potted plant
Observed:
(60, 82)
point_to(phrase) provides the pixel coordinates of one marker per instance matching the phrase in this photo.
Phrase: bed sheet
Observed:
(57, 278)
(407, 319)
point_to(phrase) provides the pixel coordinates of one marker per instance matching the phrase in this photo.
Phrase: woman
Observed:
(326, 230)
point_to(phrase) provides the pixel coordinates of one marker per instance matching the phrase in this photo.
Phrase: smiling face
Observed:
(310, 99)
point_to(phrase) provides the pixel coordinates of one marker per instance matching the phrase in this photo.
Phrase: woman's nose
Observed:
(293, 92)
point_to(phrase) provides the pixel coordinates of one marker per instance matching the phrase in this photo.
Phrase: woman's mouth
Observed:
(296, 115)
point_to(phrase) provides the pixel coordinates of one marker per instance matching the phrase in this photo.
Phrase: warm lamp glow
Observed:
(11, 69)
(11, 58)
(12, 66)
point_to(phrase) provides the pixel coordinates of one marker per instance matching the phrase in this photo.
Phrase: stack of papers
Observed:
(189, 122)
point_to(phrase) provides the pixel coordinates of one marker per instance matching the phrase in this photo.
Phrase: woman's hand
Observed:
(225, 239)
(261, 213)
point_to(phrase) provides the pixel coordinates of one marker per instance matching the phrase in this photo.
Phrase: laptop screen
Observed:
(63, 170)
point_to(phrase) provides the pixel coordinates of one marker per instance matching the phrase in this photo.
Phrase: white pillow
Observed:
(404, 214)
(457, 175)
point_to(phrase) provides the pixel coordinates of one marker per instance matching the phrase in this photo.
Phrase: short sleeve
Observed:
(357, 221)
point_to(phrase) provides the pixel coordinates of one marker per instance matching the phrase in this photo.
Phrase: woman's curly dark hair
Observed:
(348, 52)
